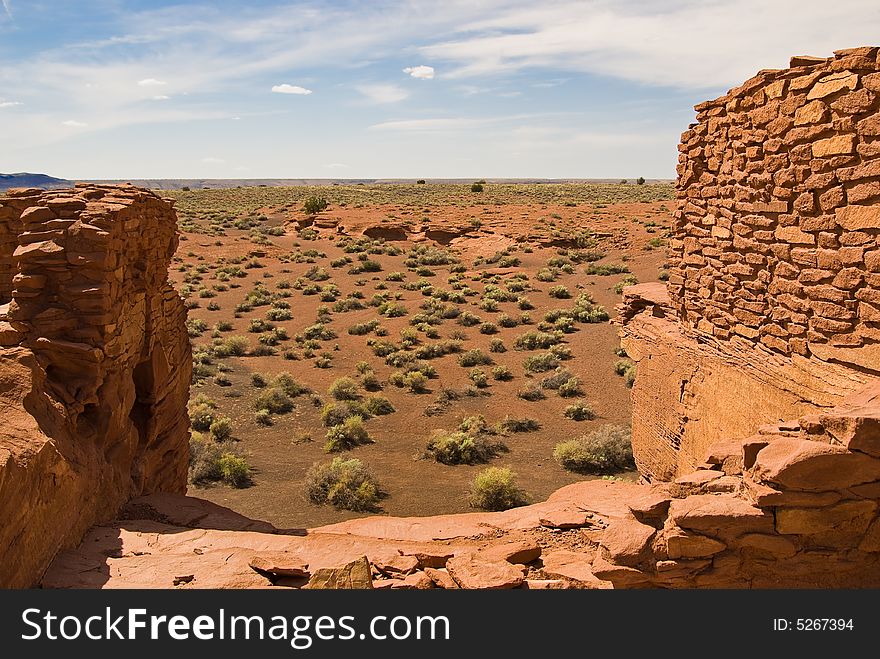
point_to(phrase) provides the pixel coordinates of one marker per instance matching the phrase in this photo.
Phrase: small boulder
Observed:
(474, 573)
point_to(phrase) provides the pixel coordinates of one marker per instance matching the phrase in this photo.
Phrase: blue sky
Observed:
(495, 88)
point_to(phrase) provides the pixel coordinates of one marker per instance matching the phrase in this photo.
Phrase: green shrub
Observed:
(502, 373)
(259, 381)
(314, 205)
(607, 269)
(537, 340)
(346, 435)
(604, 450)
(476, 187)
(579, 411)
(416, 382)
(531, 393)
(488, 328)
(212, 461)
(479, 377)
(378, 406)
(360, 329)
(333, 414)
(627, 370)
(475, 357)
(509, 424)
(195, 327)
(497, 346)
(541, 363)
(559, 292)
(344, 389)
(570, 388)
(629, 280)
(278, 314)
(455, 448)
(345, 484)
(202, 412)
(263, 418)
(286, 383)
(274, 401)
(221, 429)
(232, 346)
(495, 488)
(234, 470)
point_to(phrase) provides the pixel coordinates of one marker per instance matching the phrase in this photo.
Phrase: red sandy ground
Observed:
(418, 486)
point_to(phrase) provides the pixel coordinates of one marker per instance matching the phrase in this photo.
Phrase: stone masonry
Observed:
(779, 226)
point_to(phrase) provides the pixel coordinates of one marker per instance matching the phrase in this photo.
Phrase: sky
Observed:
(384, 89)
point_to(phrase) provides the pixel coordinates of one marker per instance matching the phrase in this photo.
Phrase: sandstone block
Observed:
(351, 576)
(721, 516)
(474, 573)
(810, 521)
(834, 146)
(626, 541)
(811, 466)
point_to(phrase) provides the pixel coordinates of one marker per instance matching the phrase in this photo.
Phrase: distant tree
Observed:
(640, 180)
(314, 205)
(421, 181)
(477, 187)
(623, 181)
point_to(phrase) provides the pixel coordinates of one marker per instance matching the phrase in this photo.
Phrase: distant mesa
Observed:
(27, 180)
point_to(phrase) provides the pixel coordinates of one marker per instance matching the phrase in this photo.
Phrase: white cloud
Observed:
(151, 82)
(161, 97)
(291, 89)
(423, 72)
(9, 104)
(455, 123)
(7, 7)
(209, 160)
(336, 165)
(72, 123)
(691, 44)
(383, 93)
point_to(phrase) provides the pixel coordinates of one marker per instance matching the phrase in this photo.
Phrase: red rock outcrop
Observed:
(95, 366)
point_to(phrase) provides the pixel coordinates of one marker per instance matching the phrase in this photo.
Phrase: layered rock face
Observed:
(775, 265)
(95, 366)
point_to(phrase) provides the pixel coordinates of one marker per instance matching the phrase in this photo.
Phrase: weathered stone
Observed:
(474, 573)
(279, 564)
(566, 519)
(681, 544)
(813, 466)
(441, 578)
(572, 565)
(834, 146)
(722, 516)
(351, 576)
(855, 218)
(626, 541)
(810, 521)
(513, 552)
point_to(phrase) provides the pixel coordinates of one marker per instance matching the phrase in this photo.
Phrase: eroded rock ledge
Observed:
(95, 366)
(794, 506)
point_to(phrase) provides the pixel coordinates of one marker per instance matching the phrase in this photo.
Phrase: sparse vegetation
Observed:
(605, 450)
(495, 488)
(421, 331)
(345, 484)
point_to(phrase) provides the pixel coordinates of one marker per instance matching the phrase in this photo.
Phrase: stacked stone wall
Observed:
(779, 218)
